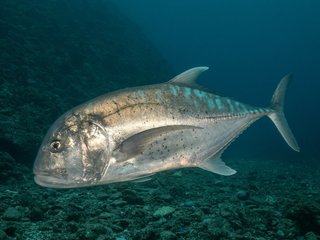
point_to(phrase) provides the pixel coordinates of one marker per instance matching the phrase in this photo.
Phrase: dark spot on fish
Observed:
(127, 164)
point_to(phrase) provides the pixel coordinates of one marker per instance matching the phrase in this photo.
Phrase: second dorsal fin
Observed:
(189, 77)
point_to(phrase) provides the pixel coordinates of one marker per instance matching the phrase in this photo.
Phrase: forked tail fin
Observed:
(277, 115)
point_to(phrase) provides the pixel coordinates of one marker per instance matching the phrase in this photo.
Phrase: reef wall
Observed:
(56, 54)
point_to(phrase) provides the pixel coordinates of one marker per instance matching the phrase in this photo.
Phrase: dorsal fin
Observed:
(189, 77)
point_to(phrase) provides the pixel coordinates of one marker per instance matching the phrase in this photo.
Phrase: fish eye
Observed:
(55, 145)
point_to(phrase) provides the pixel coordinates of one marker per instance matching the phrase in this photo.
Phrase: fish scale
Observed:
(212, 105)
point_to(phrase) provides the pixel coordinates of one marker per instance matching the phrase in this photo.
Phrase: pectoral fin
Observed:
(139, 142)
(144, 178)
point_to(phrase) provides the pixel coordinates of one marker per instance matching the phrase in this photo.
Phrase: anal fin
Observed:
(216, 165)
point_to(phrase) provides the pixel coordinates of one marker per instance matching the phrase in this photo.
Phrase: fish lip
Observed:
(52, 182)
(45, 180)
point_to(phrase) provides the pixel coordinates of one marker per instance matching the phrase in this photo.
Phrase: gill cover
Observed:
(95, 150)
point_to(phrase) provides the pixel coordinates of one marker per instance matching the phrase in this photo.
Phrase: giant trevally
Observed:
(133, 133)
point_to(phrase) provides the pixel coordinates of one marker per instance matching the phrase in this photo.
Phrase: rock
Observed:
(146, 233)
(311, 236)
(177, 174)
(205, 209)
(163, 211)
(167, 235)
(73, 216)
(3, 235)
(207, 221)
(119, 203)
(104, 196)
(121, 238)
(106, 215)
(274, 222)
(115, 195)
(243, 195)
(131, 197)
(36, 214)
(76, 206)
(123, 223)
(216, 232)
(280, 234)
(7, 164)
(305, 214)
(89, 235)
(165, 197)
(270, 200)
(116, 228)
(72, 227)
(188, 203)
(12, 214)
(100, 229)
(11, 231)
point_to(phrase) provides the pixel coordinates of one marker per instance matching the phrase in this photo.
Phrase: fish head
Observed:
(74, 153)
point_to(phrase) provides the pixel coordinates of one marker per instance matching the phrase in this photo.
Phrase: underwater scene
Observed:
(162, 119)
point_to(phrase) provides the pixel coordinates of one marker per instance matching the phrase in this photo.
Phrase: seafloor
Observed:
(264, 200)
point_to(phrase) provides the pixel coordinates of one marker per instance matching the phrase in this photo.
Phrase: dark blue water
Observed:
(249, 46)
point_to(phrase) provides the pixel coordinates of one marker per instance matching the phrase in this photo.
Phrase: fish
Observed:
(134, 133)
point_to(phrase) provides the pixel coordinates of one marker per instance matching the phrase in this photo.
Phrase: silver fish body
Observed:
(134, 133)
